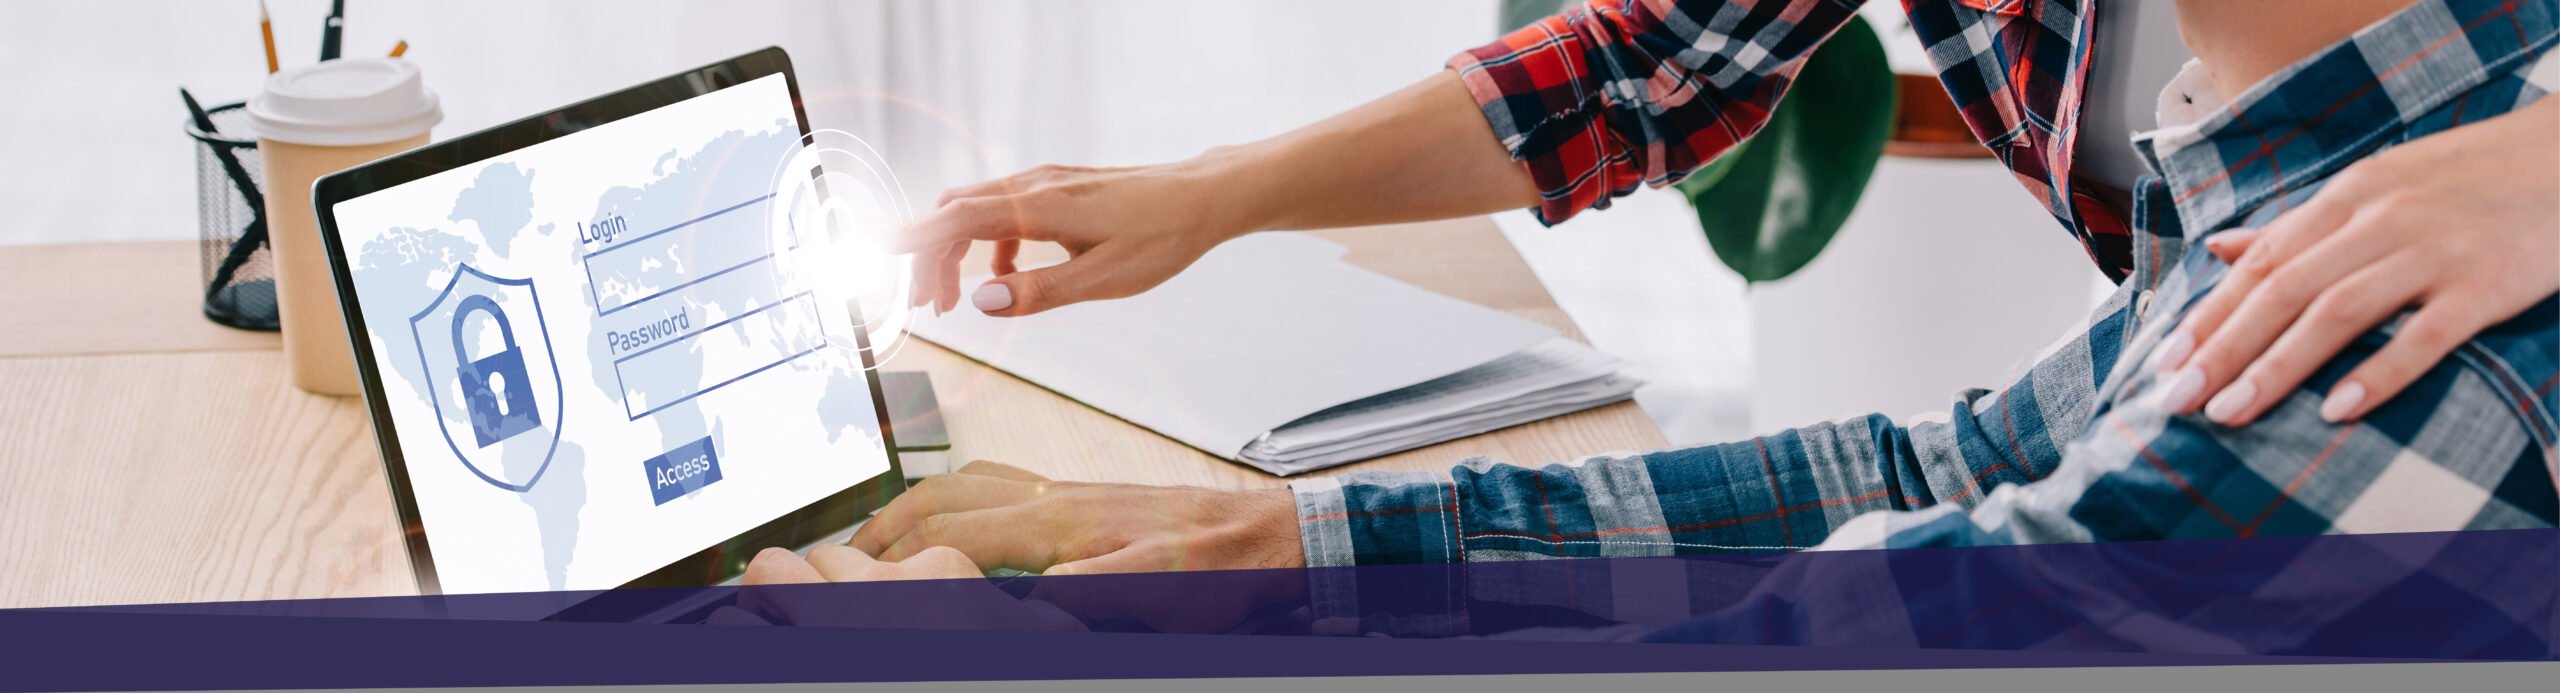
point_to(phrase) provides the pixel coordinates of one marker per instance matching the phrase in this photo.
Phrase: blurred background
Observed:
(1946, 278)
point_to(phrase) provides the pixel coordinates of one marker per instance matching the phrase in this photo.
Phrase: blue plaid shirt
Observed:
(2074, 451)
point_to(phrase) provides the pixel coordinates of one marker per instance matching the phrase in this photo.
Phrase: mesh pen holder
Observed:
(239, 269)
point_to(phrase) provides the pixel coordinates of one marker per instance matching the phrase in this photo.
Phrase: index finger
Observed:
(1001, 470)
(842, 563)
(993, 218)
(779, 566)
(940, 494)
(1006, 537)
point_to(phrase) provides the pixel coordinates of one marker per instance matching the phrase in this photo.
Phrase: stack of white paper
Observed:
(1273, 352)
(1556, 377)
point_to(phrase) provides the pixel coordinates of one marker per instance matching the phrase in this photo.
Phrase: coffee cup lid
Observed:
(343, 103)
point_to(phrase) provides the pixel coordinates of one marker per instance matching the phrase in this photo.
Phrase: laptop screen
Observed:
(591, 367)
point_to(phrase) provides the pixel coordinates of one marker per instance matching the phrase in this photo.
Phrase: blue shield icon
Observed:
(491, 376)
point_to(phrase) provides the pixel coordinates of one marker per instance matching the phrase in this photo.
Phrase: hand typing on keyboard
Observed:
(941, 590)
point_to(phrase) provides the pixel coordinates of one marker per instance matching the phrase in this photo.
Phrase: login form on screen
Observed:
(591, 366)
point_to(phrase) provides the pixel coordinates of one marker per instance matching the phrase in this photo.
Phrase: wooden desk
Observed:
(152, 456)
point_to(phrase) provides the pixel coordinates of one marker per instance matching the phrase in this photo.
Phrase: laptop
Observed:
(581, 369)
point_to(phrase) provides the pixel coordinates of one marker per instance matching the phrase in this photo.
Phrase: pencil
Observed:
(399, 48)
(267, 31)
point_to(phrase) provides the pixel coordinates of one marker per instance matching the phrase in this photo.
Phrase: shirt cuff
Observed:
(1378, 518)
(1370, 519)
(1530, 87)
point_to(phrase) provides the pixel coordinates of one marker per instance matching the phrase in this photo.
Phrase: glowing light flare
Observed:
(836, 206)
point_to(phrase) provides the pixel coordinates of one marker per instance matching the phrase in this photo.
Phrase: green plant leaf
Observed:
(1770, 205)
(1521, 13)
(1706, 177)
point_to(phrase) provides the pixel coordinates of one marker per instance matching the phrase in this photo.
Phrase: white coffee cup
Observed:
(312, 121)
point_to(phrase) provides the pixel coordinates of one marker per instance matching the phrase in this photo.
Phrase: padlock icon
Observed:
(493, 420)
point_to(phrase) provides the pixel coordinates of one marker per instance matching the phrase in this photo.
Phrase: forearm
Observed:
(1793, 489)
(1497, 131)
(1424, 152)
(1786, 490)
(1559, 117)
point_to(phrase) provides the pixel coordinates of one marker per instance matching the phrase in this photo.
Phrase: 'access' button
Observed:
(680, 471)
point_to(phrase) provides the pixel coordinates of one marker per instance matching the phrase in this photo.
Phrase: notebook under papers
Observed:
(1273, 352)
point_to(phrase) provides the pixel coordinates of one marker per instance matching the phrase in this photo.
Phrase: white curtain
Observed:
(960, 91)
(953, 90)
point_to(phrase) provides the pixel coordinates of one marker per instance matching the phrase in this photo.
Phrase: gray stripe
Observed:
(1620, 494)
(2472, 432)
(1328, 541)
(2065, 388)
(1942, 463)
(1476, 555)
(1844, 458)
(1823, 459)
(1331, 594)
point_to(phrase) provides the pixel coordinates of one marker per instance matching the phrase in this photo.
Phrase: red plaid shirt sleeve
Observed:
(1620, 92)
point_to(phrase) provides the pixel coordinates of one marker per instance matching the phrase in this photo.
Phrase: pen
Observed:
(267, 31)
(204, 120)
(329, 32)
(256, 233)
(399, 48)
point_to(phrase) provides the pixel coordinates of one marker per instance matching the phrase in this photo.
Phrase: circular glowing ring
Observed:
(835, 202)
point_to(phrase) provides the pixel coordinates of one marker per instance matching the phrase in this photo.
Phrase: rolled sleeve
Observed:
(1787, 490)
(1618, 93)
(1378, 518)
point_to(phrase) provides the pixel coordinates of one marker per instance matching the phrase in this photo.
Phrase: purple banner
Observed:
(2471, 596)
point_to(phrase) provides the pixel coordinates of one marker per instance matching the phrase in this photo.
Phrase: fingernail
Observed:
(2226, 407)
(992, 297)
(2342, 401)
(2226, 239)
(2173, 352)
(2178, 395)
